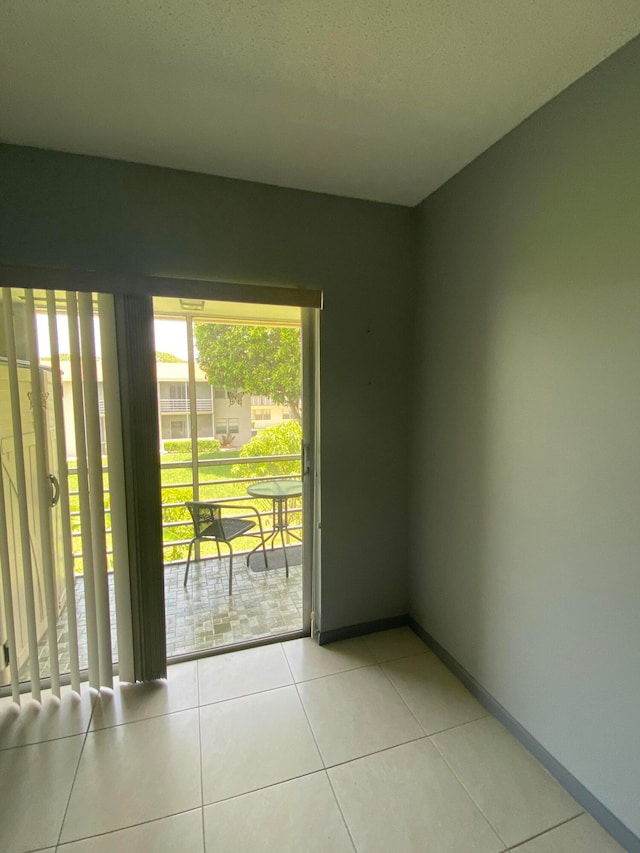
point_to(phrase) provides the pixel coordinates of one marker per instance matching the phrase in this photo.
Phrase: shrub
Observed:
(280, 440)
(183, 445)
(176, 513)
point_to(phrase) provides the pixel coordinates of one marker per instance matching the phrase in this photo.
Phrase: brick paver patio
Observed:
(202, 615)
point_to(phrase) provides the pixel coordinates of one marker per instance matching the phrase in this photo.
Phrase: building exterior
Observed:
(265, 413)
(217, 414)
(174, 408)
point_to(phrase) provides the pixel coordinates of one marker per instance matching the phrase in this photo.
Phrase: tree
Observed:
(262, 360)
(168, 357)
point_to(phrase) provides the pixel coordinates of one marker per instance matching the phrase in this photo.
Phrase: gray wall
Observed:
(65, 210)
(526, 502)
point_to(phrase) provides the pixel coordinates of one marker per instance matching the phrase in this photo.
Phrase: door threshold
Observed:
(236, 647)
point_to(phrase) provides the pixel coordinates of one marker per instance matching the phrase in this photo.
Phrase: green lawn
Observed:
(176, 492)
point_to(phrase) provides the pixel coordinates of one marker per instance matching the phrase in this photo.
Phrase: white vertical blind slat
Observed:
(7, 594)
(83, 490)
(43, 492)
(21, 488)
(117, 495)
(63, 478)
(96, 488)
(40, 541)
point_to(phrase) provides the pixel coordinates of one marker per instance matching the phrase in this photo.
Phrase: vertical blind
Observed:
(63, 533)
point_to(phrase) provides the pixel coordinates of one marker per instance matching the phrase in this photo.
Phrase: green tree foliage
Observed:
(168, 357)
(280, 440)
(261, 360)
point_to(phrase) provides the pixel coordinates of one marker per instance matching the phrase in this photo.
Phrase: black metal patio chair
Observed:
(209, 524)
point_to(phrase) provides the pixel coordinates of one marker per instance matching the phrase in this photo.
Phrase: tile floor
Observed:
(369, 745)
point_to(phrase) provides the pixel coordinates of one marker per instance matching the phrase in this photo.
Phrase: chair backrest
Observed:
(207, 519)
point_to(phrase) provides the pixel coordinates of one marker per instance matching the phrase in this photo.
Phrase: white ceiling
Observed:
(376, 99)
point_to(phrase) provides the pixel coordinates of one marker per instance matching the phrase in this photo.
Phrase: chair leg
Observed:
(284, 551)
(230, 568)
(186, 574)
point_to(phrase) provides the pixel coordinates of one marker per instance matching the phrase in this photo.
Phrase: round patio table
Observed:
(279, 492)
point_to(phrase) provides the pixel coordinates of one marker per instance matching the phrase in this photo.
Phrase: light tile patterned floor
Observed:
(202, 615)
(367, 745)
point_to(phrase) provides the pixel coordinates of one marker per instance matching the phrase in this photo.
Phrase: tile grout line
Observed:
(459, 725)
(242, 696)
(338, 672)
(75, 774)
(545, 831)
(324, 769)
(342, 815)
(402, 699)
(427, 734)
(120, 829)
(143, 719)
(376, 752)
(263, 788)
(44, 740)
(467, 792)
(172, 713)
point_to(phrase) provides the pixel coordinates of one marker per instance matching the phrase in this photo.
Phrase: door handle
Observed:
(55, 488)
(306, 466)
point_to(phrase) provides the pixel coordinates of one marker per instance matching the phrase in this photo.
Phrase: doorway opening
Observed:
(234, 498)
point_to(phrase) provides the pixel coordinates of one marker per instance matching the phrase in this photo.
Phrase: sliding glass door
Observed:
(235, 439)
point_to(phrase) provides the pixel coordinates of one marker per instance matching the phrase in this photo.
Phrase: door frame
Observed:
(310, 300)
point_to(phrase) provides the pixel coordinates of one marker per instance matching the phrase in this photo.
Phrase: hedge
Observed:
(183, 445)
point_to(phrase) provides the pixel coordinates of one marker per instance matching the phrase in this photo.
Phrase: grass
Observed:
(176, 492)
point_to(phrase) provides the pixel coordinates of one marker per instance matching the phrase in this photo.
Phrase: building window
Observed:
(219, 394)
(178, 429)
(262, 414)
(224, 426)
(178, 391)
(287, 416)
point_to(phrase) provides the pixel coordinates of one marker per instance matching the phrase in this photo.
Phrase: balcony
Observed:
(182, 406)
(202, 615)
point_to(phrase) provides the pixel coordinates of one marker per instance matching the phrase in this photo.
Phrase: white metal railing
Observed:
(206, 463)
(182, 405)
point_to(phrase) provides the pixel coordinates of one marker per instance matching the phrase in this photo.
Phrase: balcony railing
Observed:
(182, 406)
(228, 485)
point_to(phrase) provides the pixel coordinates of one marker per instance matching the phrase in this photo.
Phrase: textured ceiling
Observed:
(365, 98)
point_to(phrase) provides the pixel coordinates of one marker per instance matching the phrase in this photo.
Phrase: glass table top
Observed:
(276, 489)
